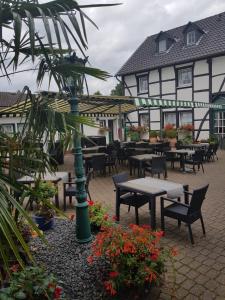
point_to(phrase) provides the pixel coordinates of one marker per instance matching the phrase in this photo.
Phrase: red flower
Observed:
(57, 292)
(106, 217)
(115, 218)
(90, 202)
(15, 268)
(109, 288)
(154, 257)
(113, 274)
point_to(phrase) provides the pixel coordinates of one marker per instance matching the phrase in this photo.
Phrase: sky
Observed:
(121, 30)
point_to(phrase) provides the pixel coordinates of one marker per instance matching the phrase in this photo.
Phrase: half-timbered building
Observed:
(184, 63)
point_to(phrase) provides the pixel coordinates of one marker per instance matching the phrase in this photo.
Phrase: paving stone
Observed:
(201, 267)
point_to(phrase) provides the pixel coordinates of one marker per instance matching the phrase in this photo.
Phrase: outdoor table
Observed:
(139, 159)
(153, 188)
(197, 146)
(52, 177)
(141, 150)
(89, 156)
(93, 149)
(182, 153)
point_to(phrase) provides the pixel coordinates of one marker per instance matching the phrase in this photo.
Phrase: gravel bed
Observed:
(67, 260)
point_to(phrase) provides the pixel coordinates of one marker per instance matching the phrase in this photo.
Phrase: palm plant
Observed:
(20, 41)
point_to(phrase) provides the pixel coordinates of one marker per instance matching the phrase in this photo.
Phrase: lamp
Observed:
(73, 82)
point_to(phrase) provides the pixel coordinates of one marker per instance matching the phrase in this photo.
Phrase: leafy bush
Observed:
(153, 133)
(135, 256)
(98, 214)
(32, 284)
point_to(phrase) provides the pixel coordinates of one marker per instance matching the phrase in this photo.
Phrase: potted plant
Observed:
(153, 135)
(31, 283)
(170, 133)
(42, 194)
(98, 216)
(136, 260)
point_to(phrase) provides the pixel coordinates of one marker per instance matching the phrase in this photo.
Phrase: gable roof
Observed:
(9, 98)
(211, 43)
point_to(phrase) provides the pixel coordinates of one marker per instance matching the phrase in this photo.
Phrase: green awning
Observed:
(154, 102)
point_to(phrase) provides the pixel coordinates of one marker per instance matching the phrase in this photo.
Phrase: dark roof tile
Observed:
(211, 43)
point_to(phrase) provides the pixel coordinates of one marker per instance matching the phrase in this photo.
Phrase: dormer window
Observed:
(191, 37)
(163, 42)
(162, 46)
(192, 34)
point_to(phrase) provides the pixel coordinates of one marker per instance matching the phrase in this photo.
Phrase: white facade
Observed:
(207, 79)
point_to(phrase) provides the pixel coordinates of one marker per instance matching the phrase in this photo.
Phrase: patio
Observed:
(200, 268)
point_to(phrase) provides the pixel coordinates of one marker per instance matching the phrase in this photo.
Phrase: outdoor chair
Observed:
(172, 158)
(111, 161)
(70, 190)
(98, 164)
(184, 212)
(121, 155)
(196, 159)
(209, 153)
(158, 166)
(215, 148)
(131, 199)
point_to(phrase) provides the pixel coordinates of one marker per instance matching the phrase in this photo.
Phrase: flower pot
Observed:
(172, 142)
(43, 223)
(153, 140)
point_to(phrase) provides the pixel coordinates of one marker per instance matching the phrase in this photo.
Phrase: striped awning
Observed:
(92, 106)
(154, 102)
(104, 105)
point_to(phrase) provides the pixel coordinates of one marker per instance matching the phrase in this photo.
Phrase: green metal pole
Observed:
(83, 230)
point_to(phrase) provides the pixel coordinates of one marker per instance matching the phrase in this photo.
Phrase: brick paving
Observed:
(200, 268)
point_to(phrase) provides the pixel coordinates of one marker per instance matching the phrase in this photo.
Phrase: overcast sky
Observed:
(122, 29)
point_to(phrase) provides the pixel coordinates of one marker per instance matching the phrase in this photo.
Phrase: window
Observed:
(170, 118)
(185, 77)
(185, 118)
(162, 46)
(143, 84)
(7, 128)
(191, 37)
(144, 120)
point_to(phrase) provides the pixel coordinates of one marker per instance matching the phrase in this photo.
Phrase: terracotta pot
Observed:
(172, 142)
(153, 140)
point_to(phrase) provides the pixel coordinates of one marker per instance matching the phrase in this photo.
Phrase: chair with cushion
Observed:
(158, 166)
(196, 159)
(184, 212)
(70, 190)
(131, 199)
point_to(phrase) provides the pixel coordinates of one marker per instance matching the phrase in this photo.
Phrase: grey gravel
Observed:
(67, 260)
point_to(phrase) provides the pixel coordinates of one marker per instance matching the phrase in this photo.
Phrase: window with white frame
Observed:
(162, 46)
(191, 37)
(185, 118)
(184, 77)
(143, 84)
(170, 118)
